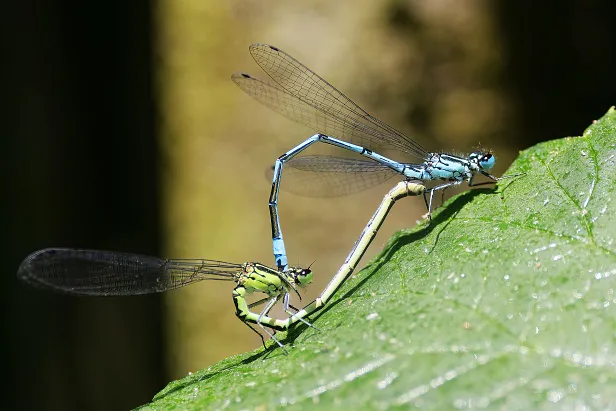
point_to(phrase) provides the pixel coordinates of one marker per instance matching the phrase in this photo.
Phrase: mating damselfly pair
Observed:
(303, 96)
(110, 273)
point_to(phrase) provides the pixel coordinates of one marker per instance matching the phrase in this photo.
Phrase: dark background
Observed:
(80, 160)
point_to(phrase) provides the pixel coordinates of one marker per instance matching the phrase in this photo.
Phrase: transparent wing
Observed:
(95, 272)
(276, 98)
(347, 120)
(327, 176)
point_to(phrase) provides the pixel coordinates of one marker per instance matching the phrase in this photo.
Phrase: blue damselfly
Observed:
(303, 96)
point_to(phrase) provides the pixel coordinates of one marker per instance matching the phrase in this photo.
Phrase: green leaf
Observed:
(505, 302)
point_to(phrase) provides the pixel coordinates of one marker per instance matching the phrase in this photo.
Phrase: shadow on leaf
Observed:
(189, 381)
(444, 215)
(439, 222)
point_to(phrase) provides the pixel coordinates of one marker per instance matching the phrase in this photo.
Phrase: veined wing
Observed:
(281, 101)
(310, 88)
(328, 176)
(96, 272)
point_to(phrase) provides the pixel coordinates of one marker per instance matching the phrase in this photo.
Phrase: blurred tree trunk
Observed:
(80, 170)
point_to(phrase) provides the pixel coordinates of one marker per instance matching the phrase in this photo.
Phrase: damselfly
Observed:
(303, 96)
(109, 273)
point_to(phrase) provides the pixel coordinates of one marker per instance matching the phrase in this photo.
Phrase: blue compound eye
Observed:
(487, 161)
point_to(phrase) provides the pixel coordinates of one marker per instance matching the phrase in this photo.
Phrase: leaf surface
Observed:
(505, 302)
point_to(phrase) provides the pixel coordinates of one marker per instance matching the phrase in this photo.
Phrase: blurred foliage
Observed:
(504, 301)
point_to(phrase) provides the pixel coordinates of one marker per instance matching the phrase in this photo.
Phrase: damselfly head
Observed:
(301, 276)
(483, 160)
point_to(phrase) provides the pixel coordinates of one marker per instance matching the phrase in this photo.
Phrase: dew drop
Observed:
(555, 395)
(372, 316)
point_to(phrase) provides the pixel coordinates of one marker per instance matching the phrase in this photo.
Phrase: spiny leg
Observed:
(432, 190)
(266, 311)
(261, 301)
(286, 306)
(238, 296)
(257, 332)
(243, 313)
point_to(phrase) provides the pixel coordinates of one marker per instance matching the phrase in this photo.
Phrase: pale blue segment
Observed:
(280, 254)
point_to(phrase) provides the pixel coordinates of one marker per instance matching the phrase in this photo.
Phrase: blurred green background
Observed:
(123, 131)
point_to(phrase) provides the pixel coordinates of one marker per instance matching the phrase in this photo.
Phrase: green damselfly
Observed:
(111, 273)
